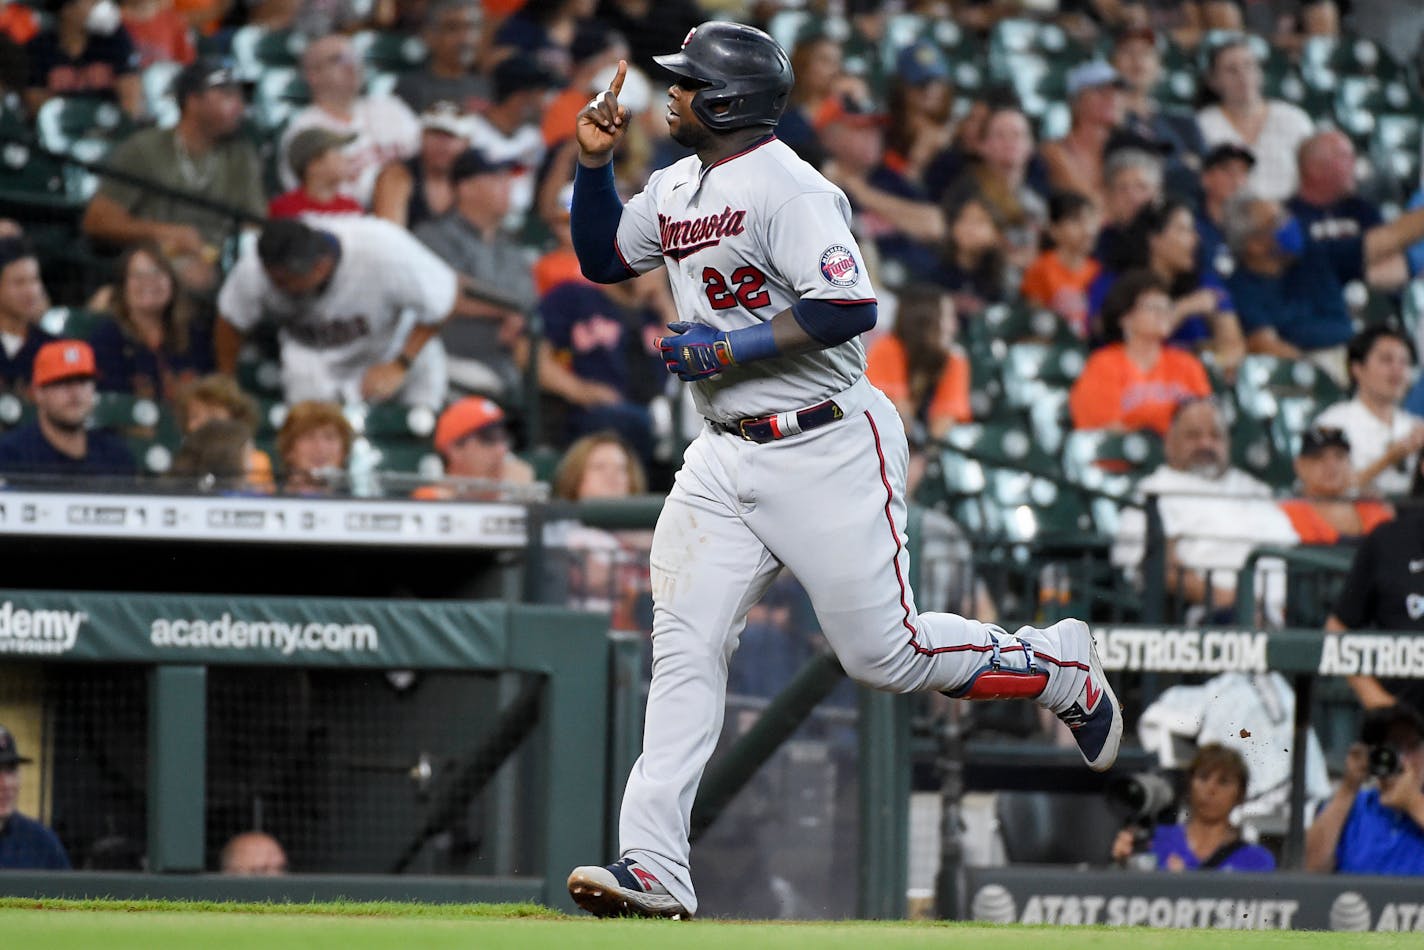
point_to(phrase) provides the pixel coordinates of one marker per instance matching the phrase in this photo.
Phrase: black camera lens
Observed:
(1384, 761)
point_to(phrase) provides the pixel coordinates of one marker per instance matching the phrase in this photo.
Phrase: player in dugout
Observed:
(800, 463)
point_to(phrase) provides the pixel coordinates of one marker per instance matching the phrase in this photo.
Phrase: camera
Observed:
(1383, 761)
(1142, 798)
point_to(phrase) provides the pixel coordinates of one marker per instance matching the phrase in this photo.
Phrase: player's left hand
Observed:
(382, 381)
(697, 352)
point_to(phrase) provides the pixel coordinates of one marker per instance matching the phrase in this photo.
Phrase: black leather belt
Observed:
(770, 428)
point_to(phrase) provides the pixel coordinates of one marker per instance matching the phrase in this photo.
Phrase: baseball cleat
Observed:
(1095, 717)
(623, 889)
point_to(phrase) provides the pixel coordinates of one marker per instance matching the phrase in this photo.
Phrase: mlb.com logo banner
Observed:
(1280, 901)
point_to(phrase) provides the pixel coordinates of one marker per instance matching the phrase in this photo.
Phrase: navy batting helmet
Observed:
(743, 75)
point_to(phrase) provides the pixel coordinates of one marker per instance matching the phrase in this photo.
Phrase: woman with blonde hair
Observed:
(601, 465)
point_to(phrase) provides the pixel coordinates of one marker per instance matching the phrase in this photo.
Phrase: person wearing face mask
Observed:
(1213, 517)
(1217, 779)
(87, 52)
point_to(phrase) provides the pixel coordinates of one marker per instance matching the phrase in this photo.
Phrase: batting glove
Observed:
(697, 352)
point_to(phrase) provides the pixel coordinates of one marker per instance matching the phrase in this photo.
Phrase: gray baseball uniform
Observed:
(743, 239)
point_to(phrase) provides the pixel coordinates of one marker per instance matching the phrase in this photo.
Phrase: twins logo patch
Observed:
(838, 266)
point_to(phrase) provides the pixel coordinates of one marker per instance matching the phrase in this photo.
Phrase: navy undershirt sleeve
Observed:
(594, 223)
(831, 322)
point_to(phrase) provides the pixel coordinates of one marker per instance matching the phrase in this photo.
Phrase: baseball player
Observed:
(800, 464)
(359, 301)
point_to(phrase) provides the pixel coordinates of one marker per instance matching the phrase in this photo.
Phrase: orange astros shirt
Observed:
(887, 368)
(1114, 390)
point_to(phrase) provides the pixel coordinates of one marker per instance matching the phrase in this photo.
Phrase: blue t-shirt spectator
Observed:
(1306, 303)
(15, 368)
(25, 451)
(103, 59)
(1195, 329)
(1169, 840)
(1379, 840)
(127, 366)
(604, 343)
(1351, 216)
(27, 845)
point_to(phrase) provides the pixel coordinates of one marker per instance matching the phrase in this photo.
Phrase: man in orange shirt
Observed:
(1324, 513)
(1136, 383)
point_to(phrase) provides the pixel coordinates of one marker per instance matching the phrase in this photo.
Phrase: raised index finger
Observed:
(616, 86)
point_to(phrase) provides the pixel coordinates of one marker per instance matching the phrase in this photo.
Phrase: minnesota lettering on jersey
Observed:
(332, 333)
(684, 238)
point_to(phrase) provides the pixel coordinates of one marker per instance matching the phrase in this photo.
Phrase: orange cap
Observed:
(463, 417)
(63, 359)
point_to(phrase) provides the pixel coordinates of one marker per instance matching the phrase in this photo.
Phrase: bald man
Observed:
(1326, 205)
(254, 854)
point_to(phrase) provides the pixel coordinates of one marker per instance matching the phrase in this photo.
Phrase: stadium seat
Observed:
(256, 49)
(392, 421)
(388, 52)
(1262, 381)
(15, 411)
(1022, 321)
(279, 93)
(65, 120)
(1031, 369)
(157, 80)
(403, 456)
(72, 322)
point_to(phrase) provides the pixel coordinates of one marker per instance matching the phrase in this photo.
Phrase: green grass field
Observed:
(162, 925)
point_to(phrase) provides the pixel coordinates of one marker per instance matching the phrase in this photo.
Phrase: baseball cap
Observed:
(519, 74)
(310, 144)
(921, 62)
(445, 116)
(464, 417)
(472, 162)
(1093, 74)
(9, 752)
(848, 111)
(1226, 152)
(1319, 438)
(59, 360)
(205, 72)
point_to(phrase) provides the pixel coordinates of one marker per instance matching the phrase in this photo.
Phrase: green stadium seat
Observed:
(74, 323)
(157, 80)
(1254, 449)
(392, 421)
(15, 411)
(406, 456)
(388, 52)
(1024, 321)
(65, 120)
(279, 93)
(1263, 381)
(256, 49)
(1092, 454)
(1048, 419)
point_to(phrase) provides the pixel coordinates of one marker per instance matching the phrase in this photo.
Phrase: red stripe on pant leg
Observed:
(895, 535)
(900, 578)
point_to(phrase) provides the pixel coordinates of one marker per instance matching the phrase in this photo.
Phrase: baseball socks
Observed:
(1057, 667)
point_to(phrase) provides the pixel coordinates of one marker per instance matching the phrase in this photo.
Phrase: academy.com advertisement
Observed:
(1281, 901)
(142, 628)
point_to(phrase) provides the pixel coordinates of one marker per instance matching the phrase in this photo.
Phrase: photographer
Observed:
(1380, 829)
(1217, 779)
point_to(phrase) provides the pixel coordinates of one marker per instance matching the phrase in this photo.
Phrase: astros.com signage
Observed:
(1155, 649)
(1194, 900)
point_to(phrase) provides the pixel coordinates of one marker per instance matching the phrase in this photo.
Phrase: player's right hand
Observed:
(603, 121)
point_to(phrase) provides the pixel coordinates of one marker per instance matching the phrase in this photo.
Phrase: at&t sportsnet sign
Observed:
(1192, 900)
